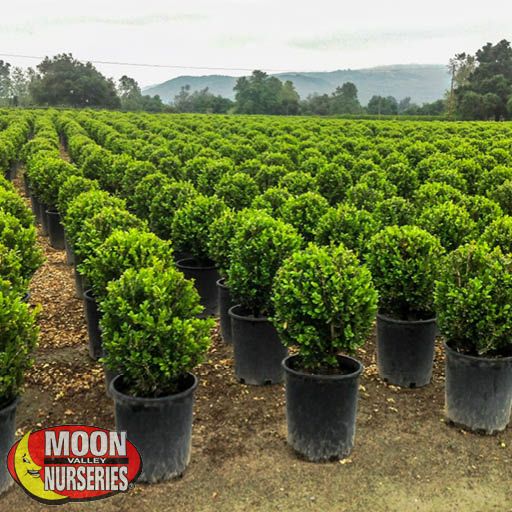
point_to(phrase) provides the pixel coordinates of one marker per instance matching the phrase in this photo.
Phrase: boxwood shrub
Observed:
(473, 300)
(150, 331)
(260, 246)
(237, 190)
(325, 303)
(71, 188)
(11, 202)
(405, 263)
(272, 201)
(499, 234)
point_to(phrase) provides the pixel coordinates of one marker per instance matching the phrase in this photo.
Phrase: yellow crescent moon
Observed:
(28, 473)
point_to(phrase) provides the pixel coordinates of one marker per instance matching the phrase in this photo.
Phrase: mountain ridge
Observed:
(422, 82)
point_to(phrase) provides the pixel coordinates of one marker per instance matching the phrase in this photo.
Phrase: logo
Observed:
(67, 463)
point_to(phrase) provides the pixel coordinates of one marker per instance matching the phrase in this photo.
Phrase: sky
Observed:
(272, 35)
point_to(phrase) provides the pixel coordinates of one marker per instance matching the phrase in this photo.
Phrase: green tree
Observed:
(344, 100)
(5, 82)
(63, 80)
(379, 105)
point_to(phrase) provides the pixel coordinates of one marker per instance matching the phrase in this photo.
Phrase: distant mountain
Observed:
(423, 83)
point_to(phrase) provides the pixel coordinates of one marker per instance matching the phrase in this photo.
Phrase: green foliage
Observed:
(237, 190)
(133, 175)
(473, 300)
(272, 201)
(23, 241)
(297, 182)
(324, 303)
(348, 226)
(499, 234)
(171, 197)
(71, 188)
(450, 222)
(451, 177)
(431, 194)
(303, 212)
(150, 331)
(259, 247)
(11, 277)
(394, 211)
(191, 225)
(123, 250)
(85, 206)
(145, 191)
(503, 196)
(11, 202)
(332, 182)
(482, 210)
(405, 263)
(96, 229)
(18, 339)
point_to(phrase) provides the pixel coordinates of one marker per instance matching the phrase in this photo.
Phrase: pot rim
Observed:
(221, 283)
(390, 319)
(322, 377)
(88, 295)
(52, 211)
(507, 359)
(181, 264)
(243, 318)
(12, 405)
(119, 396)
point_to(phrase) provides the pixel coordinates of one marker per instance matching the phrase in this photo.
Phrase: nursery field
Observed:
(329, 235)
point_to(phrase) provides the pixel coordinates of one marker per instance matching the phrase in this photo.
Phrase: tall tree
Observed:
(344, 100)
(379, 105)
(5, 82)
(63, 80)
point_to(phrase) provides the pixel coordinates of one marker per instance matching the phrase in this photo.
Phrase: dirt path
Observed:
(406, 458)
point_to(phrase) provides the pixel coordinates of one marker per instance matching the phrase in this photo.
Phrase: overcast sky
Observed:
(288, 35)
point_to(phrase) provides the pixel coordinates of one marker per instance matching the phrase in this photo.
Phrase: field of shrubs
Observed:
(296, 238)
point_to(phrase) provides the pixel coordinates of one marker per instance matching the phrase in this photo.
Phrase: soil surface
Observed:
(406, 457)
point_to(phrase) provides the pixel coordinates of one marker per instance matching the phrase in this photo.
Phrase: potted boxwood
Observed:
(11, 277)
(472, 299)
(325, 303)
(405, 262)
(259, 247)
(94, 232)
(152, 336)
(18, 338)
(190, 231)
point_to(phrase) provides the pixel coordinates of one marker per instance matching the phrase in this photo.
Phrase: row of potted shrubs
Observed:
(282, 292)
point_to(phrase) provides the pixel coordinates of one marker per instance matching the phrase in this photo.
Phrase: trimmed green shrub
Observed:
(451, 177)
(237, 190)
(23, 241)
(450, 222)
(123, 250)
(404, 178)
(11, 277)
(210, 175)
(499, 234)
(482, 210)
(298, 182)
(405, 263)
(431, 194)
(48, 179)
(268, 176)
(492, 179)
(96, 229)
(325, 303)
(365, 197)
(259, 247)
(332, 182)
(85, 206)
(473, 299)
(18, 339)
(150, 331)
(135, 172)
(348, 226)
(502, 194)
(271, 201)
(394, 211)
(11, 202)
(72, 188)
(144, 193)
(221, 233)
(191, 225)
(304, 212)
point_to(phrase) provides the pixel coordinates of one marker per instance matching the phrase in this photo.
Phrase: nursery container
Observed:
(160, 428)
(321, 409)
(225, 303)
(7, 432)
(36, 208)
(478, 391)
(405, 350)
(44, 219)
(55, 229)
(258, 351)
(70, 255)
(205, 279)
(92, 318)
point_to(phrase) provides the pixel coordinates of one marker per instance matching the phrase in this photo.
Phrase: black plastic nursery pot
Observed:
(405, 350)
(225, 303)
(258, 351)
(205, 279)
(160, 428)
(36, 208)
(55, 229)
(26, 186)
(79, 284)
(478, 391)
(92, 318)
(321, 409)
(110, 375)
(7, 433)
(44, 219)
(70, 255)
